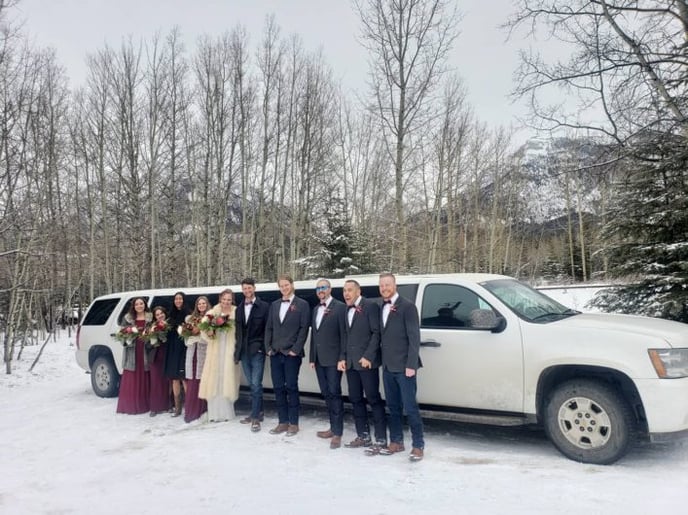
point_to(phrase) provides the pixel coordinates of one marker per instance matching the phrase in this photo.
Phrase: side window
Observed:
(268, 296)
(309, 296)
(100, 312)
(449, 306)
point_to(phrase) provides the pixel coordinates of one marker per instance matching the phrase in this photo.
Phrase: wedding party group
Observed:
(187, 360)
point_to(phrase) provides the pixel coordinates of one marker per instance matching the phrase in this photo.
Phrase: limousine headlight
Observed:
(670, 363)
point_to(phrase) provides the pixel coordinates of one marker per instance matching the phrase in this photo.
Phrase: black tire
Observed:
(104, 377)
(589, 421)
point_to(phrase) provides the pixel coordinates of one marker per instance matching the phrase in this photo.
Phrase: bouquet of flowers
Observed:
(186, 329)
(126, 335)
(156, 332)
(212, 324)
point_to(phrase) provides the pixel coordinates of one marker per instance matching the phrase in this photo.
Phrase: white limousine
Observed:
(494, 351)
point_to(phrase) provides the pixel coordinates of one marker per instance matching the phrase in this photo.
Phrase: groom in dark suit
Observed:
(285, 336)
(251, 317)
(361, 364)
(327, 349)
(400, 341)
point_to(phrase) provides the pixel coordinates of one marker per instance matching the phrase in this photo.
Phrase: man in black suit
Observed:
(285, 336)
(327, 349)
(400, 342)
(251, 317)
(361, 363)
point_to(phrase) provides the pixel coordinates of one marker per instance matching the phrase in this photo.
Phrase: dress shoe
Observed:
(255, 426)
(336, 442)
(279, 429)
(246, 420)
(392, 448)
(358, 442)
(292, 429)
(416, 454)
(375, 449)
(325, 434)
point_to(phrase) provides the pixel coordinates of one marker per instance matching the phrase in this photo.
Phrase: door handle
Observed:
(430, 343)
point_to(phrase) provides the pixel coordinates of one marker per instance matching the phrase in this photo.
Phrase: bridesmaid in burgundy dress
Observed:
(159, 383)
(194, 406)
(134, 388)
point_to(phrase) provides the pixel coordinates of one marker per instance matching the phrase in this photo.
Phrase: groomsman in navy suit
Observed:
(361, 364)
(400, 342)
(285, 336)
(328, 339)
(251, 317)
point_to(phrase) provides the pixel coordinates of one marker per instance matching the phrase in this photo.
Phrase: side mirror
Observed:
(486, 320)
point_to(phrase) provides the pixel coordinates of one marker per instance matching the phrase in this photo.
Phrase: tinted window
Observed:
(449, 306)
(100, 312)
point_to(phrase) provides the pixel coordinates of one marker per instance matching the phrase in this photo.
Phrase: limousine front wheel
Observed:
(104, 377)
(589, 421)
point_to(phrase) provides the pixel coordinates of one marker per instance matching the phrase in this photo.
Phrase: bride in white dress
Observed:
(220, 377)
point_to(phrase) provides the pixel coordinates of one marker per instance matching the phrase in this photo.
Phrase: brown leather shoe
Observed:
(416, 454)
(336, 442)
(255, 426)
(279, 429)
(246, 420)
(325, 434)
(358, 442)
(392, 448)
(292, 429)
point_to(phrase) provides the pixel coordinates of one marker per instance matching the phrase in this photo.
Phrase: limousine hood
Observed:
(674, 333)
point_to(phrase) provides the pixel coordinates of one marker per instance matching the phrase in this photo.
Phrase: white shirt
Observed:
(284, 307)
(248, 308)
(321, 311)
(350, 312)
(386, 308)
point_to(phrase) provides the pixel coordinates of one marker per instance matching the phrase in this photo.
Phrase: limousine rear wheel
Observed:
(589, 421)
(104, 377)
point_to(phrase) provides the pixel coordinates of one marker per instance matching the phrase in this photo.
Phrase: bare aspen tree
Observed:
(408, 41)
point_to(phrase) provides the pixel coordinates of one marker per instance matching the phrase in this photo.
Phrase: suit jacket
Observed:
(400, 338)
(328, 341)
(250, 337)
(363, 337)
(291, 334)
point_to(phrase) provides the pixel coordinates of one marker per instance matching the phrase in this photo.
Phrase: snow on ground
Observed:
(65, 451)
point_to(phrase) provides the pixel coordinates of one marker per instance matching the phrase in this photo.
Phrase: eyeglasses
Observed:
(322, 288)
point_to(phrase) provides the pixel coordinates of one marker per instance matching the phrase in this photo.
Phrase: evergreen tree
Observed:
(649, 225)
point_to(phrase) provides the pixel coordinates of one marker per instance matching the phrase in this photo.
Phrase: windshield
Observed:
(527, 303)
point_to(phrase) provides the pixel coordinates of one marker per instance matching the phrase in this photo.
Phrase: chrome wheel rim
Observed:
(584, 423)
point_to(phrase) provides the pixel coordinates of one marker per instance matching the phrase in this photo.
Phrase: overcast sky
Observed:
(482, 56)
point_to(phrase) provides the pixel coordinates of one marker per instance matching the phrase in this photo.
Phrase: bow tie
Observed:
(387, 302)
(323, 304)
(286, 300)
(248, 303)
(353, 306)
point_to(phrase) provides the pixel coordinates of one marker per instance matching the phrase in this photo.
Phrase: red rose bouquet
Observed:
(156, 332)
(212, 324)
(126, 335)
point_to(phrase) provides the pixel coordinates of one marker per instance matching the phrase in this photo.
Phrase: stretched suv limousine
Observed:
(494, 351)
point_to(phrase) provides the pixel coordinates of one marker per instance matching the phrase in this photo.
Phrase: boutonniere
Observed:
(292, 307)
(327, 312)
(392, 308)
(359, 309)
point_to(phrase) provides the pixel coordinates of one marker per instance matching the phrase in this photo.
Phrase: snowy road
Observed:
(65, 451)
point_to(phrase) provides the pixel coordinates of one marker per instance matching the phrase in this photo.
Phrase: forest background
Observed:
(175, 166)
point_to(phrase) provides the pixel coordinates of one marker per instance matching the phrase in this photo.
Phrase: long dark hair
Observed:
(132, 310)
(177, 316)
